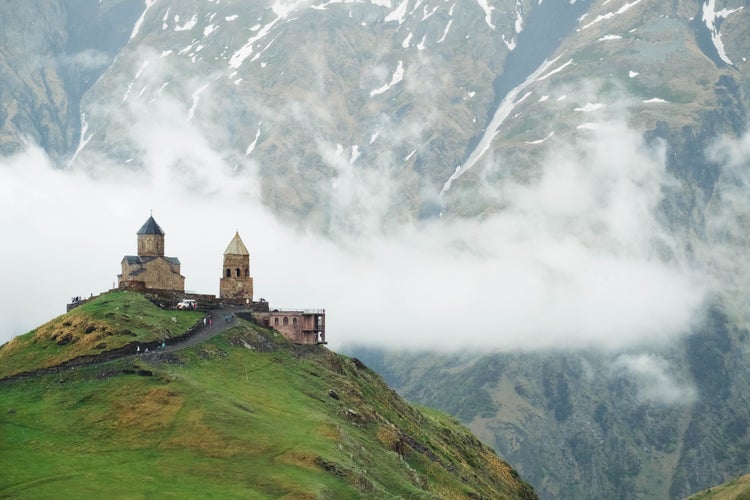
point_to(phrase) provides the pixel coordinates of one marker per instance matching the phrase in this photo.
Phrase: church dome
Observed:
(150, 227)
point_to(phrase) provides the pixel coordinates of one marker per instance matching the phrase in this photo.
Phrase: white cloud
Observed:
(569, 263)
(655, 383)
(86, 59)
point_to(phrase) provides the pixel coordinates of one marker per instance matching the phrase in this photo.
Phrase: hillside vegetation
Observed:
(737, 489)
(243, 415)
(108, 322)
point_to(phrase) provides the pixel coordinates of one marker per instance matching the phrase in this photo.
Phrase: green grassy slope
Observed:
(243, 415)
(737, 489)
(108, 322)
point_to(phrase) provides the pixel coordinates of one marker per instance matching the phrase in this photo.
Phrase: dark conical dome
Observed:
(150, 227)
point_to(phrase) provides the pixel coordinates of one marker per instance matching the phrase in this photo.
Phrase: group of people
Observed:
(145, 351)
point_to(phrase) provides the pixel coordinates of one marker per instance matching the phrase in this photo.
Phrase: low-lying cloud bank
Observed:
(575, 260)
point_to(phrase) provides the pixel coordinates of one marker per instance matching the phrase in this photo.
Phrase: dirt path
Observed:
(222, 319)
(218, 321)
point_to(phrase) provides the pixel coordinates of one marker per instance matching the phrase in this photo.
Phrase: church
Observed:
(151, 271)
(150, 268)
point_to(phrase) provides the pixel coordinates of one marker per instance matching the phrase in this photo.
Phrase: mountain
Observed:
(658, 424)
(567, 181)
(52, 53)
(410, 99)
(244, 413)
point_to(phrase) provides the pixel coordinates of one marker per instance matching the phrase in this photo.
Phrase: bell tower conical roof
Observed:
(236, 247)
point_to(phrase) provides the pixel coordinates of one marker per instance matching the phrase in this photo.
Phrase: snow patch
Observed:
(589, 107)
(139, 22)
(633, 74)
(610, 37)
(196, 96)
(509, 102)
(355, 154)
(445, 31)
(610, 15)
(398, 14)
(252, 145)
(188, 25)
(487, 8)
(407, 40)
(655, 100)
(712, 18)
(231, 18)
(246, 50)
(539, 141)
(556, 70)
(398, 75)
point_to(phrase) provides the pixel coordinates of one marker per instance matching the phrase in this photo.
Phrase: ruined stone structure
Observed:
(236, 282)
(150, 268)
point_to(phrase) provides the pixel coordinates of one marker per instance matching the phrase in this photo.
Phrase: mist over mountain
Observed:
(561, 183)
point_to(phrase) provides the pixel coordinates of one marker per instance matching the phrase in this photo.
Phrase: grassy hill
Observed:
(737, 489)
(110, 322)
(245, 414)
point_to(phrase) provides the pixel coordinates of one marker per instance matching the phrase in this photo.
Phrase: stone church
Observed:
(150, 268)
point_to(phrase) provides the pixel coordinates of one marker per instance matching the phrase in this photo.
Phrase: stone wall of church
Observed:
(157, 273)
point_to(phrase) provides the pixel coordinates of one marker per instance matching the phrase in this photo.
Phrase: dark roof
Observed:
(151, 227)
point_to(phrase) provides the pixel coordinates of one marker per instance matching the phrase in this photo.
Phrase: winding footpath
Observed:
(223, 319)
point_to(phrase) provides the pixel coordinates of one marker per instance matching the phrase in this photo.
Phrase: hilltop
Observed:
(243, 413)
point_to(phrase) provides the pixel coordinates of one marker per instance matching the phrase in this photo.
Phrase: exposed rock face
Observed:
(411, 100)
(53, 52)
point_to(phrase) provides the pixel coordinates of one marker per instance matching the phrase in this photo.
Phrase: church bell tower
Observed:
(236, 282)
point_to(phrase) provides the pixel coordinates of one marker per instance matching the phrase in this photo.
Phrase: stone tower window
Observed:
(275, 321)
(247, 273)
(286, 321)
(229, 273)
(238, 272)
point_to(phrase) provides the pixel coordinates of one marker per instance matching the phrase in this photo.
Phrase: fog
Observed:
(576, 259)
(653, 378)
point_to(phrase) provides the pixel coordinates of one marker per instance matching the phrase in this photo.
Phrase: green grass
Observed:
(223, 420)
(110, 321)
(737, 489)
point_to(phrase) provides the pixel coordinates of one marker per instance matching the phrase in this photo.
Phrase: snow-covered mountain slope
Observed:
(423, 100)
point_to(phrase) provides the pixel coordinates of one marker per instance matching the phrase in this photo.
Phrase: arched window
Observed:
(238, 272)
(294, 321)
(229, 273)
(286, 321)
(275, 321)
(247, 273)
